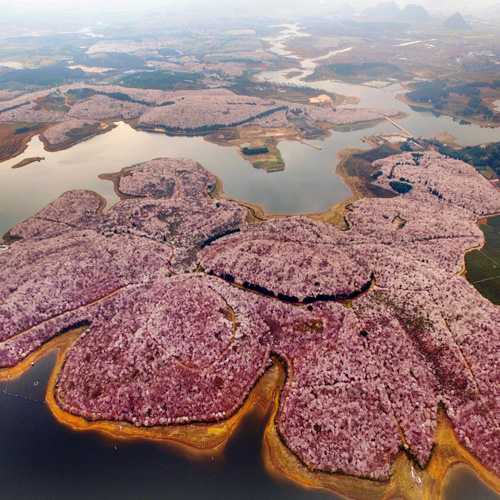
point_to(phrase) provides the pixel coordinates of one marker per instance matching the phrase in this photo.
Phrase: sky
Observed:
(252, 6)
(26, 5)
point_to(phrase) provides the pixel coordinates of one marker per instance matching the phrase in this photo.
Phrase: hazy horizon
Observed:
(257, 8)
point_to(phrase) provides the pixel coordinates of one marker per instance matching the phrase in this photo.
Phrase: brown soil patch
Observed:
(27, 161)
(13, 144)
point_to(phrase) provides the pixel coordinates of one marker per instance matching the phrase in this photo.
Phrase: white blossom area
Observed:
(196, 110)
(82, 255)
(473, 322)
(145, 364)
(31, 113)
(231, 69)
(338, 116)
(64, 132)
(141, 96)
(102, 107)
(186, 225)
(182, 111)
(77, 101)
(130, 46)
(186, 305)
(274, 120)
(300, 260)
(173, 178)
(193, 65)
(295, 259)
(73, 270)
(7, 95)
(427, 230)
(21, 100)
(448, 180)
(76, 209)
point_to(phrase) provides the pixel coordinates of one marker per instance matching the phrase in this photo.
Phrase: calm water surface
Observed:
(308, 184)
(463, 483)
(24, 191)
(44, 460)
(40, 459)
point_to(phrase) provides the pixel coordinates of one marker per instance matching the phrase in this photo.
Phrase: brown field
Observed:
(12, 144)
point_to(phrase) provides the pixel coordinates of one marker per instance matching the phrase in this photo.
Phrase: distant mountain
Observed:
(346, 10)
(386, 10)
(456, 22)
(413, 13)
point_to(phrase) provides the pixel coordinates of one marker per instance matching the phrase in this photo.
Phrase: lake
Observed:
(44, 460)
(308, 184)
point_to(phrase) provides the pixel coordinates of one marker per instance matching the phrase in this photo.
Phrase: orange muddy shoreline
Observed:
(408, 481)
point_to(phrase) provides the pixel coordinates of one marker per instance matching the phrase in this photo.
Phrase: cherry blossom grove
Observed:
(186, 305)
(69, 107)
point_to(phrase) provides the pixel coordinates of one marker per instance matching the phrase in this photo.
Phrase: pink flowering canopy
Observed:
(186, 111)
(186, 305)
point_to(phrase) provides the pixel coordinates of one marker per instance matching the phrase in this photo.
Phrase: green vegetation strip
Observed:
(483, 266)
(360, 165)
(163, 80)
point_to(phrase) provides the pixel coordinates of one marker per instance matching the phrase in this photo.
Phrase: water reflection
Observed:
(462, 483)
(308, 184)
(42, 459)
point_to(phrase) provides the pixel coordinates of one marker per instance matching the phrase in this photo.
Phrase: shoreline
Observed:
(19, 142)
(408, 480)
(404, 99)
(109, 125)
(336, 213)
(197, 440)
(39, 129)
(201, 441)
(483, 221)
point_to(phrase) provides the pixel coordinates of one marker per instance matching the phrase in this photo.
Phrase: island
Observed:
(28, 161)
(176, 309)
